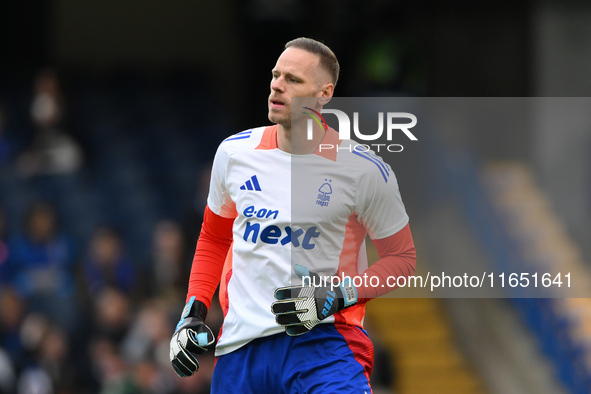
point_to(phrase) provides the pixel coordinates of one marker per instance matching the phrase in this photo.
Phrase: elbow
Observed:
(411, 259)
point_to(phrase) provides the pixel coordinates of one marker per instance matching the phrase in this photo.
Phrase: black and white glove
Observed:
(300, 308)
(191, 338)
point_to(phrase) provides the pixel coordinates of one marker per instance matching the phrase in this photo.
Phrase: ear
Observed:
(326, 93)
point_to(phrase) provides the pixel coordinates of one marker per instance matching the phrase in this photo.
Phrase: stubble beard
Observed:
(282, 120)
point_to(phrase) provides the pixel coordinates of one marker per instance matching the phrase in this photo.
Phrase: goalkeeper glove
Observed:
(300, 308)
(191, 338)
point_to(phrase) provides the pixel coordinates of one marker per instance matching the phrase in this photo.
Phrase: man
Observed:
(276, 198)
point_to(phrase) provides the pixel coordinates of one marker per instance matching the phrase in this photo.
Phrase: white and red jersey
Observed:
(314, 210)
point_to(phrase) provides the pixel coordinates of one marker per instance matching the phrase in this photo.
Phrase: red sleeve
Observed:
(397, 258)
(211, 251)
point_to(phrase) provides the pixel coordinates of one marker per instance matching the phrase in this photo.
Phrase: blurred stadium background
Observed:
(110, 113)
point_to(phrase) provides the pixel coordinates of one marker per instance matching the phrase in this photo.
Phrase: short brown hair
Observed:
(328, 60)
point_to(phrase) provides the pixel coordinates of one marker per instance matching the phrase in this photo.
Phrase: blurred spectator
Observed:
(170, 261)
(12, 311)
(47, 107)
(50, 363)
(54, 357)
(32, 378)
(41, 265)
(150, 378)
(112, 315)
(111, 318)
(147, 347)
(35, 381)
(148, 337)
(108, 265)
(32, 329)
(53, 151)
(7, 375)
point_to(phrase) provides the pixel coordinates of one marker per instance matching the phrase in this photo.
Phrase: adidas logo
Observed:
(254, 185)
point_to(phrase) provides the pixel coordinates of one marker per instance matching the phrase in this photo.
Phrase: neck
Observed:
(295, 140)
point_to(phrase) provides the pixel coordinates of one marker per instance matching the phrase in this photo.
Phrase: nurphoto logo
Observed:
(392, 125)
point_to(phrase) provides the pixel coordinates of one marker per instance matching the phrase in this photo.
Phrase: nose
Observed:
(278, 85)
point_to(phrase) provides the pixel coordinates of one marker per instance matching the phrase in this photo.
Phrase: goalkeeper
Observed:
(281, 335)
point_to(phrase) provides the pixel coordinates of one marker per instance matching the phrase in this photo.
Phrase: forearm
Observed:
(397, 258)
(210, 254)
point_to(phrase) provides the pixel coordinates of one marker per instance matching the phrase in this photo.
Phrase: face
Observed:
(42, 224)
(105, 248)
(296, 74)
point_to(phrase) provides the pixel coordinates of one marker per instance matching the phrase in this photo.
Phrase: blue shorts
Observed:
(331, 358)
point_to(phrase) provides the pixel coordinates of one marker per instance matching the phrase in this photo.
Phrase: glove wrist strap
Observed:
(198, 310)
(193, 308)
(349, 291)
